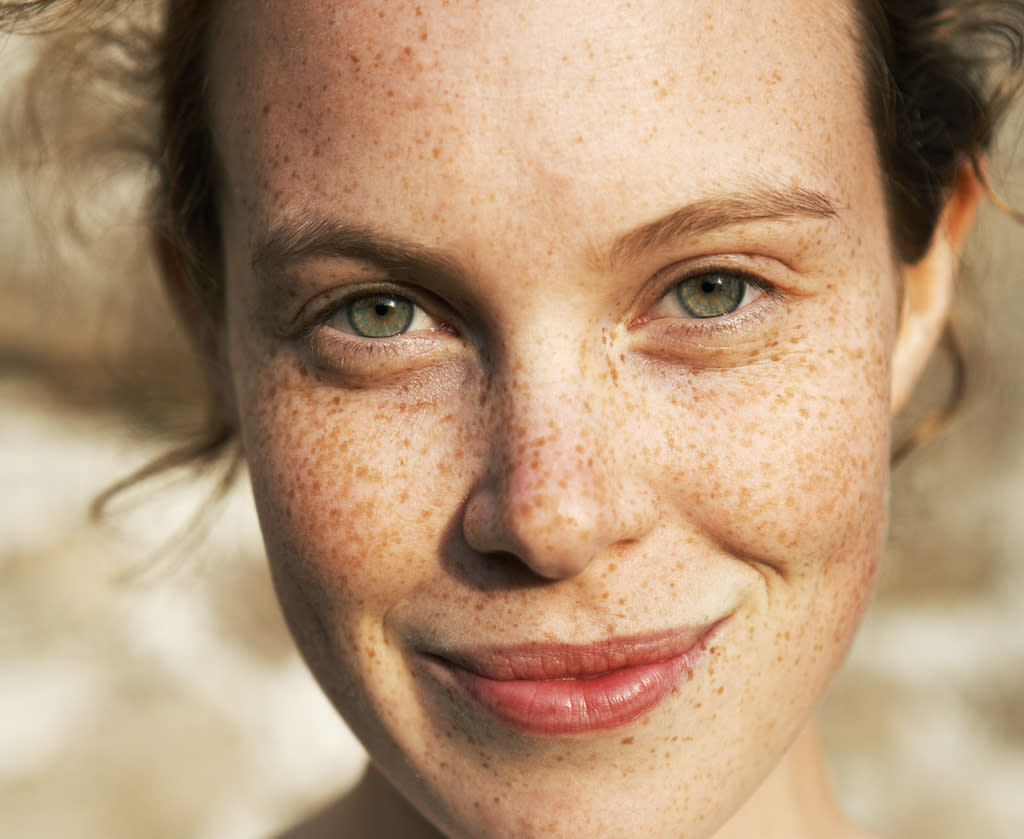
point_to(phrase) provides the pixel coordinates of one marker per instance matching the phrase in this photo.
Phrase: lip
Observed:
(554, 689)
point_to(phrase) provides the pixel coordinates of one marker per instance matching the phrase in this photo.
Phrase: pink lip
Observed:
(553, 689)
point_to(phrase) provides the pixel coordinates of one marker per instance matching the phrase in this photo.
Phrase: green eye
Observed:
(711, 295)
(380, 315)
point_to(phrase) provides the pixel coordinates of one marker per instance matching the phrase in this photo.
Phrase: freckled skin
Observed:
(547, 460)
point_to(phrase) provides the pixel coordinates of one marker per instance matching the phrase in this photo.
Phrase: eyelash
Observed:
(320, 338)
(316, 333)
(747, 310)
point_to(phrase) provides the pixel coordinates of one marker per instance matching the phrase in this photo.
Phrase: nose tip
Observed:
(555, 537)
(555, 507)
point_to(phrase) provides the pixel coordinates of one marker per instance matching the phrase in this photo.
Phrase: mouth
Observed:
(552, 689)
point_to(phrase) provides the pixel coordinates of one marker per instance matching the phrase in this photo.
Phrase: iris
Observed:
(380, 315)
(711, 295)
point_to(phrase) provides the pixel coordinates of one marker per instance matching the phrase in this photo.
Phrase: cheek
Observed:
(807, 461)
(786, 471)
(787, 466)
(350, 491)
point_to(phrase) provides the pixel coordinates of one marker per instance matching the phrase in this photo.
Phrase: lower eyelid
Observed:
(358, 360)
(348, 354)
(728, 341)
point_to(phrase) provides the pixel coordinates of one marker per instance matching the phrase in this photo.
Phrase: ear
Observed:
(199, 327)
(928, 286)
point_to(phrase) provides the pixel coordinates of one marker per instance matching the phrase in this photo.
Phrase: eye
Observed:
(365, 334)
(712, 294)
(379, 315)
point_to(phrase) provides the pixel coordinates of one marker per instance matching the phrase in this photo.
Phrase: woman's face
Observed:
(559, 337)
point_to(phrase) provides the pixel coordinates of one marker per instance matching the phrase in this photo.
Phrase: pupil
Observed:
(382, 308)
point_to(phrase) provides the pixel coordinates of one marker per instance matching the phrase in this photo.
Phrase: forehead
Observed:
(395, 108)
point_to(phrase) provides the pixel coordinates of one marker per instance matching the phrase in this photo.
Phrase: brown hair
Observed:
(935, 94)
(939, 77)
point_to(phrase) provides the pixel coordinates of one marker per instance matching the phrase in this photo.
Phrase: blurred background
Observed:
(147, 683)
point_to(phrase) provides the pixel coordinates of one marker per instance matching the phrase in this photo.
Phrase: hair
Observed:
(939, 78)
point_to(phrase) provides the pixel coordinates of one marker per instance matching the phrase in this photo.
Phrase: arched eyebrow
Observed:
(762, 202)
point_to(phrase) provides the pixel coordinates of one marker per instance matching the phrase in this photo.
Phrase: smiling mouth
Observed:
(551, 689)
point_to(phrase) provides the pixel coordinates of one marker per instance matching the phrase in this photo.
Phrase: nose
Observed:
(558, 491)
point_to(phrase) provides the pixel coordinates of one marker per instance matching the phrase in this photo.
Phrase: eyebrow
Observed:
(307, 237)
(761, 202)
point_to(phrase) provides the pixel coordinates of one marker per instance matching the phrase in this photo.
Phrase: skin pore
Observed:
(554, 449)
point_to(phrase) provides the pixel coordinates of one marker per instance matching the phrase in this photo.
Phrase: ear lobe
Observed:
(928, 287)
(193, 316)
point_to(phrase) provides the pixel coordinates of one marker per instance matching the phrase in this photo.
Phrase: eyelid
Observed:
(322, 307)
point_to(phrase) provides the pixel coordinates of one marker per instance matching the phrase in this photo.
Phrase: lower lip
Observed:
(572, 705)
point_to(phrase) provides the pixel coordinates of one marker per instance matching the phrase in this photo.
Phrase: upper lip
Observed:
(540, 661)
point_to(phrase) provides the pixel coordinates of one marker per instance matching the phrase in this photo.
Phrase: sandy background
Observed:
(147, 685)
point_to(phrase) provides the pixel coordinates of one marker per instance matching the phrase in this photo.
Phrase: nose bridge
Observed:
(552, 400)
(551, 430)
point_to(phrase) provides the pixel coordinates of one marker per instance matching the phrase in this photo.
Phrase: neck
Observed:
(371, 808)
(795, 801)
